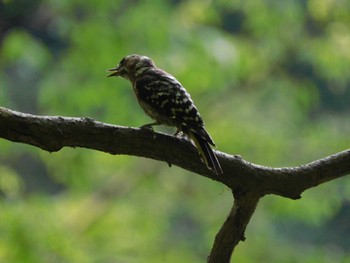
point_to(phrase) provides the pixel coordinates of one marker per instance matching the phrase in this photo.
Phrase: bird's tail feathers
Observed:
(206, 153)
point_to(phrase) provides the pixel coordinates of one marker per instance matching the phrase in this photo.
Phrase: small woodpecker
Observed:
(165, 100)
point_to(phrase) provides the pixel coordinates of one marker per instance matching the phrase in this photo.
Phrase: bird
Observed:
(163, 98)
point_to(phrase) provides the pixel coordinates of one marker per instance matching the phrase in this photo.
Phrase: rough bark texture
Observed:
(249, 182)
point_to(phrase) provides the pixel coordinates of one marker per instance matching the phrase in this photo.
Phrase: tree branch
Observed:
(249, 182)
(232, 231)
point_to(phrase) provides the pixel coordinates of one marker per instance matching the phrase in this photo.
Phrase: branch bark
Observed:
(232, 231)
(249, 182)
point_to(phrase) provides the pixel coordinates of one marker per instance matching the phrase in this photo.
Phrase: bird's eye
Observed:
(122, 62)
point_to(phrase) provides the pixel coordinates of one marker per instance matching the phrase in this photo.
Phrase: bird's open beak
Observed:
(115, 72)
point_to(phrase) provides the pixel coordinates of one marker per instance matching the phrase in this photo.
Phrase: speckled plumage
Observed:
(165, 100)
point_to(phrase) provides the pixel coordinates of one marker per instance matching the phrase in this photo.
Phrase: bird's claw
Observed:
(147, 127)
(179, 134)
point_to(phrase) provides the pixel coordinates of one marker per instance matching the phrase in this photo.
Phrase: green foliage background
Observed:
(271, 79)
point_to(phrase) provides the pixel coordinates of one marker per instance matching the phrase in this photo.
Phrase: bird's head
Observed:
(131, 66)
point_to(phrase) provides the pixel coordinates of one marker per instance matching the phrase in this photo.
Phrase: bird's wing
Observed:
(166, 96)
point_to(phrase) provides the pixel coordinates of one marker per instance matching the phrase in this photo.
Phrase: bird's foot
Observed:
(180, 134)
(148, 126)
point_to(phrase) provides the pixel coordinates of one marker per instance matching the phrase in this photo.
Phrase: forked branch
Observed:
(249, 182)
